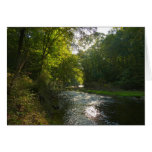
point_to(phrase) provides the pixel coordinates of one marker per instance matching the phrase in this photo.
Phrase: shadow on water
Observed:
(77, 108)
(124, 111)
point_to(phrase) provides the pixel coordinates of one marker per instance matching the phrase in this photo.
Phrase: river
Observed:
(79, 108)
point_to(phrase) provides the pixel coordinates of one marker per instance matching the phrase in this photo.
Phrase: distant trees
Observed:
(117, 58)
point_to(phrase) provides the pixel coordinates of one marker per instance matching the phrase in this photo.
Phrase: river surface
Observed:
(79, 108)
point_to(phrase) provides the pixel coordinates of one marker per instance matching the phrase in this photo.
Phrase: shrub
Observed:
(23, 104)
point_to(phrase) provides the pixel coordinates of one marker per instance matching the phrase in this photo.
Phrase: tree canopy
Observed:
(117, 58)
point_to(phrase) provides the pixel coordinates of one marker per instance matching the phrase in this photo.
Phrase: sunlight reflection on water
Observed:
(90, 109)
(91, 112)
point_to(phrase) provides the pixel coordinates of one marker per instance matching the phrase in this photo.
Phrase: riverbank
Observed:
(113, 93)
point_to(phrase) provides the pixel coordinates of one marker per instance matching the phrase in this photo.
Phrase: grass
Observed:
(116, 93)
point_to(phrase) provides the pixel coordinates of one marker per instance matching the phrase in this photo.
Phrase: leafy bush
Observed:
(24, 105)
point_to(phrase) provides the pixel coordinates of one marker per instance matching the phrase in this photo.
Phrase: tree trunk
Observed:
(20, 64)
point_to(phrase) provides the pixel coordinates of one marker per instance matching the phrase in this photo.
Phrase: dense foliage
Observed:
(116, 59)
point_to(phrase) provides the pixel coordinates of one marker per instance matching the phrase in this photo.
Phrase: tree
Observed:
(117, 58)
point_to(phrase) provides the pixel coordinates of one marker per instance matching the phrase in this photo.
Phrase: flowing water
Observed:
(79, 108)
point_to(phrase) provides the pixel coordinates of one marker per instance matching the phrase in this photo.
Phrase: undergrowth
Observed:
(24, 106)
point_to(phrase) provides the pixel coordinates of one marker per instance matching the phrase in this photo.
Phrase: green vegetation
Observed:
(116, 93)
(24, 107)
(115, 60)
(41, 64)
